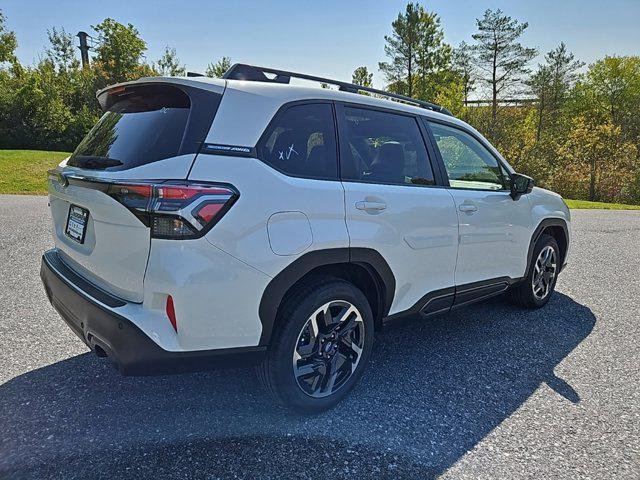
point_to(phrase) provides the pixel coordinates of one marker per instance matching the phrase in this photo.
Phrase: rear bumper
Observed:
(89, 313)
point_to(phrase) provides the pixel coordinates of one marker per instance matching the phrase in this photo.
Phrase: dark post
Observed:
(84, 49)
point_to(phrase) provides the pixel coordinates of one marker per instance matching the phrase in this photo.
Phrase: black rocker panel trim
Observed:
(281, 283)
(433, 302)
(446, 299)
(476, 291)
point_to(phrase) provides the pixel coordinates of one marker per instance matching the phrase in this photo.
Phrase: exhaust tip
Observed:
(99, 351)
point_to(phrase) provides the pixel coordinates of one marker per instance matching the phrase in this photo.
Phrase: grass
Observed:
(25, 171)
(579, 204)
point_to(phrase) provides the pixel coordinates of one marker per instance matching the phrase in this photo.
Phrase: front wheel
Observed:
(321, 346)
(537, 287)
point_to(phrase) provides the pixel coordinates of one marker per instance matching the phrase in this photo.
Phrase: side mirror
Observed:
(520, 185)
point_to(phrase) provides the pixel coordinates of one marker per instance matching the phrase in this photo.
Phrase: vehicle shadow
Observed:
(433, 390)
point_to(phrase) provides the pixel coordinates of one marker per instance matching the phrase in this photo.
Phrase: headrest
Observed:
(389, 163)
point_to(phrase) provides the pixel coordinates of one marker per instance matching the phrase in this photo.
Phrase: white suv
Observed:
(246, 220)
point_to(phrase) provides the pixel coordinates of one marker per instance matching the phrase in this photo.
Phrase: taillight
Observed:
(175, 210)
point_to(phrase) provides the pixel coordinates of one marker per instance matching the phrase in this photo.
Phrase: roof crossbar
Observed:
(252, 73)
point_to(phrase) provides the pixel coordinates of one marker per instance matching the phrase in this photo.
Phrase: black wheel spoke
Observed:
(327, 320)
(307, 350)
(544, 272)
(328, 349)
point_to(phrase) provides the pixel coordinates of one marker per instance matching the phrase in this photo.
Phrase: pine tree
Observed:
(551, 83)
(462, 64)
(500, 56)
(418, 56)
(402, 49)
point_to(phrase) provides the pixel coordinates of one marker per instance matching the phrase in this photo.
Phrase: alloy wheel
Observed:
(328, 348)
(544, 272)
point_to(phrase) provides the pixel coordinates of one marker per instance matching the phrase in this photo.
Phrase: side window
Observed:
(301, 142)
(381, 147)
(468, 163)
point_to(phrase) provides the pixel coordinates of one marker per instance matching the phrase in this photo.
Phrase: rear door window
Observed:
(301, 142)
(141, 124)
(383, 147)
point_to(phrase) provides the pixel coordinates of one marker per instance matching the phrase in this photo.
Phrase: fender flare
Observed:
(544, 224)
(292, 273)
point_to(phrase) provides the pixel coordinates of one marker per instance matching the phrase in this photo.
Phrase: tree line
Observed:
(51, 105)
(574, 127)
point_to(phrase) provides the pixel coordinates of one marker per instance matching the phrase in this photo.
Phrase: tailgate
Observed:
(113, 254)
(151, 131)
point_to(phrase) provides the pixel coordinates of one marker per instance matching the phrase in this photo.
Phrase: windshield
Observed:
(141, 125)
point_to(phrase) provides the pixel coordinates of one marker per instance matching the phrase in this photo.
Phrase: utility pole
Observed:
(84, 48)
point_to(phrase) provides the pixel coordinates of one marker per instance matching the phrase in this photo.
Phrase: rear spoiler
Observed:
(205, 83)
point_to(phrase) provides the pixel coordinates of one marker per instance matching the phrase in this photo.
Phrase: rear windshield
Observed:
(140, 125)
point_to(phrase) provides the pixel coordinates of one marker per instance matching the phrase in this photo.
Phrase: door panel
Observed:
(494, 230)
(416, 234)
(493, 238)
(392, 203)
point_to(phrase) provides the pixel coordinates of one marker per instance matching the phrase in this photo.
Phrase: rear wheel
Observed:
(537, 287)
(321, 346)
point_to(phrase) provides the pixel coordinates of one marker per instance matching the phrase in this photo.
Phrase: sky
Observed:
(326, 38)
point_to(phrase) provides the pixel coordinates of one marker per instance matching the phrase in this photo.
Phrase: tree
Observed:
(416, 52)
(120, 51)
(361, 76)
(591, 149)
(8, 42)
(218, 69)
(169, 64)
(611, 91)
(433, 58)
(401, 48)
(61, 53)
(551, 84)
(462, 64)
(500, 56)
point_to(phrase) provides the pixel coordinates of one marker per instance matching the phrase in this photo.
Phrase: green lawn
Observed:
(25, 171)
(577, 204)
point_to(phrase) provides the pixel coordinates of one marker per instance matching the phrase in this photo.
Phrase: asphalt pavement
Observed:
(490, 391)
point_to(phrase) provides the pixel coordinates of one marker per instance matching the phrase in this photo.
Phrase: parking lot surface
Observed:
(490, 391)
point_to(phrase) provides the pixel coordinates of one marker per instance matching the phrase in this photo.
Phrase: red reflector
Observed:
(171, 313)
(208, 211)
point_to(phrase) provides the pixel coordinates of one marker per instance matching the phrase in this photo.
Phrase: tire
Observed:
(310, 374)
(529, 293)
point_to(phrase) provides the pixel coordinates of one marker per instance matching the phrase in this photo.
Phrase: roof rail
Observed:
(252, 73)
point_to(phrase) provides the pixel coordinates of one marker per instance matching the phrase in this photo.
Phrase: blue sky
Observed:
(328, 37)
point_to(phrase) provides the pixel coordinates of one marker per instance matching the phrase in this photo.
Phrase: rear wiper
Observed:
(91, 162)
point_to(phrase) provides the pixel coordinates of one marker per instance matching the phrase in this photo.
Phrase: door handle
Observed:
(371, 206)
(465, 207)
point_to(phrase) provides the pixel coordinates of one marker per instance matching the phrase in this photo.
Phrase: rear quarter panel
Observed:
(314, 210)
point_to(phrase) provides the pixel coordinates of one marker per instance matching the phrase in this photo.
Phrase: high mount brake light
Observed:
(175, 210)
